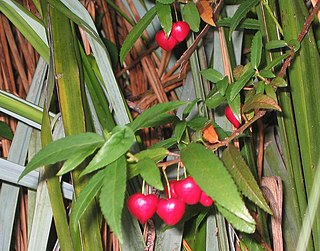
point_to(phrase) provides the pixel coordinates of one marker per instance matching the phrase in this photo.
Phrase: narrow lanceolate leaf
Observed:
(156, 154)
(248, 23)
(113, 193)
(237, 86)
(150, 173)
(213, 178)
(260, 101)
(5, 131)
(136, 32)
(85, 197)
(63, 149)
(212, 75)
(256, 50)
(235, 221)
(180, 129)
(191, 15)
(75, 160)
(243, 177)
(241, 13)
(276, 44)
(164, 15)
(151, 114)
(118, 144)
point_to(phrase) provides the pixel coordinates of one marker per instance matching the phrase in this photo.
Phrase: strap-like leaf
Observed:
(136, 32)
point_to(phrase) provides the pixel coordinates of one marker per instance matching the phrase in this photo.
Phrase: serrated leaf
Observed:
(222, 85)
(75, 160)
(150, 172)
(167, 143)
(267, 74)
(136, 32)
(214, 99)
(260, 101)
(213, 178)
(5, 131)
(278, 82)
(276, 44)
(145, 118)
(112, 194)
(256, 50)
(164, 15)
(180, 129)
(241, 13)
(270, 91)
(212, 75)
(236, 222)
(86, 195)
(243, 177)
(191, 15)
(118, 144)
(198, 123)
(63, 149)
(237, 86)
(277, 61)
(156, 154)
(165, 1)
(248, 23)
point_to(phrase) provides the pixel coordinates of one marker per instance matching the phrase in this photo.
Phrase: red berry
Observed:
(142, 206)
(171, 210)
(205, 200)
(172, 191)
(180, 30)
(230, 116)
(165, 43)
(188, 190)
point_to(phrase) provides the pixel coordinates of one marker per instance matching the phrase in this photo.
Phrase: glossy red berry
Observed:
(165, 43)
(230, 116)
(205, 200)
(188, 190)
(180, 30)
(172, 190)
(142, 206)
(171, 210)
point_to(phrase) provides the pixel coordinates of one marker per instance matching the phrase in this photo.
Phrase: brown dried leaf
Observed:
(206, 12)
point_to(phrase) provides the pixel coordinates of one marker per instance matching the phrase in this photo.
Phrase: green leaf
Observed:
(113, 193)
(279, 82)
(180, 129)
(243, 177)
(214, 99)
(86, 195)
(277, 61)
(156, 154)
(190, 107)
(136, 32)
(165, 18)
(259, 89)
(222, 85)
(271, 92)
(145, 118)
(118, 144)
(241, 13)
(167, 143)
(260, 101)
(5, 131)
(212, 75)
(191, 15)
(248, 23)
(256, 50)
(267, 74)
(165, 1)
(235, 106)
(295, 44)
(198, 123)
(150, 173)
(276, 44)
(63, 149)
(237, 86)
(75, 160)
(213, 178)
(235, 221)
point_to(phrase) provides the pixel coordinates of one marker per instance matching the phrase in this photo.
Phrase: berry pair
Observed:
(189, 192)
(179, 32)
(143, 207)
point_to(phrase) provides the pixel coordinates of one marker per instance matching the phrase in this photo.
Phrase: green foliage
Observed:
(150, 172)
(164, 18)
(5, 131)
(256, 50)
(190, 14)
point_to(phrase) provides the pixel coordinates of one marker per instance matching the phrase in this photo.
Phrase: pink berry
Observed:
(188, 190)
(165, 43)
(180, 30)
(171, 210)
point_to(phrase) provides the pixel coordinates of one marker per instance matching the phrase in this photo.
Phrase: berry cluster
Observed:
(170, 209)
(179, 32)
